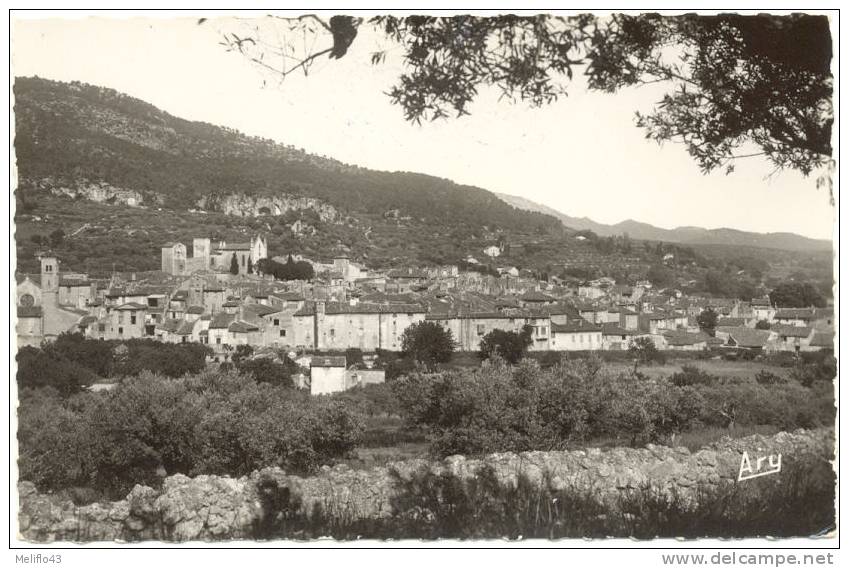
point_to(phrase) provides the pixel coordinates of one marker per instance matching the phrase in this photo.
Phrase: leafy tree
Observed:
(645, 351)
(56, 237)
(660, 276)
(234, 264)
(428, 343)
(734, 81)
(353, 356)
(264, 370)
(762, 324)
(241, 353)
(796, 295)
(509, 345)
(707, 321)
(38, 368)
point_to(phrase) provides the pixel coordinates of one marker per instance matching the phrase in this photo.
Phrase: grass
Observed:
(719, 367)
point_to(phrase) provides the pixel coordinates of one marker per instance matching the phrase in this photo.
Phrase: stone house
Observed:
(578, 335)
(339, 325)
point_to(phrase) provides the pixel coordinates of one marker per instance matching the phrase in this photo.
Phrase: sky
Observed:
(582, 155)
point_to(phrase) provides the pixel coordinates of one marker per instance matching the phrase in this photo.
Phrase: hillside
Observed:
(683, 235)
(85, 152)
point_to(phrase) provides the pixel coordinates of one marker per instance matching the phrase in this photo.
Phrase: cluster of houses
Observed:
(349, 306)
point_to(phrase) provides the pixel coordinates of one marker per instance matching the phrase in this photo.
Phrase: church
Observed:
(48, 305)
(215, 258)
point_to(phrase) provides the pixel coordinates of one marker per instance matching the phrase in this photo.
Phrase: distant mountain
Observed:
(684, 235)
(86, 154)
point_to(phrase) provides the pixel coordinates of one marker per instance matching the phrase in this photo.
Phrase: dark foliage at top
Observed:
(734, 81)
(72, 362)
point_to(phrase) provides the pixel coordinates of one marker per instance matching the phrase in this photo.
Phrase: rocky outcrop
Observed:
(100, 192)
(213, 508)
(244, 205)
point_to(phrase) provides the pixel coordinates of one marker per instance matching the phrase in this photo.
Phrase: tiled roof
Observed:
(575, 326)
(242, 327)
(74, 283)
(477, 315)
(234, 246)
(221, 320)
(823, 339)
(535, 296)
(333, 308)
(684, 338)
(614, 329)
(170, 325)
(791, 330)
(731, 322)
(328, 362)
(186, 328)
(794, 313)
(34, 278)
(407, 273)
(132, 306)
(748, 337)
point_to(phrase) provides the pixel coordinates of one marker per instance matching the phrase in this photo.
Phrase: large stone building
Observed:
(339, 325)
(208, 257)
(41, 313)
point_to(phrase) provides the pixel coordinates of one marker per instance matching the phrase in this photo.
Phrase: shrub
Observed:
(692, 375)
(643, 350)
(764, 377)
(210, 423)
(509, 345)
(499, 408)
(46, 368)
(428, 343)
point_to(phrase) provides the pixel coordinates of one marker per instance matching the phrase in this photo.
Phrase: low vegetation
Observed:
(432, 506)
(149, 426)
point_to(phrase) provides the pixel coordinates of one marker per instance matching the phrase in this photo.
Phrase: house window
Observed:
(120, 317)
(183, 339)
(218, 341)
(120, 331)
(277, 323)
(332, 333)
(480, 328)
(153, 302)
(101, 327)
(282, 333)
(133, 320)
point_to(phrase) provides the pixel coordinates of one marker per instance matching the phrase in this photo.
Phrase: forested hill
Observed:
(73, 133)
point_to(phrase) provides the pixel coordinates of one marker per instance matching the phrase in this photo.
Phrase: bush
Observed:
(427, 343)
(814, 368)
(38, 368)
(509, 345)
(210, 423)
(764, 377)
(499, 408)
(691, 375)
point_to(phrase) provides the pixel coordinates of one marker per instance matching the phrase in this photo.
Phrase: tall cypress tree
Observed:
(234, 264)
(250, 266)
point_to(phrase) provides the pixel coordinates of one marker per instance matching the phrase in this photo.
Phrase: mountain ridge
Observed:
(688, 234)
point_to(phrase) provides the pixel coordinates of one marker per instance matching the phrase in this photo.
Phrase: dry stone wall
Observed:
(221, 508)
